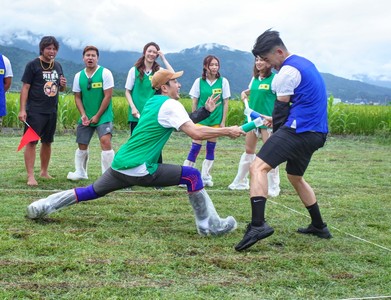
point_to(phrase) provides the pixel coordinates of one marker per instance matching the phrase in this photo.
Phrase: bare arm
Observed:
(225, 112)
(194, 104)
(7, 83)
(165, 61)
(23, 101)
(79, 104)
(244, 94)
(63, 83)
(135, 112)
(205, 132)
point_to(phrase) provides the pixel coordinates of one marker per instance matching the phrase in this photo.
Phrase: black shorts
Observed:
(285, 145)
(112, 180)
(43, 124)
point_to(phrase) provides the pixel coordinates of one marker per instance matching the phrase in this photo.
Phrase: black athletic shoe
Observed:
(323, 233)
(253, 234)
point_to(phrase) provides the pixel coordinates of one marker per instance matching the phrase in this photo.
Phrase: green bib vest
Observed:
(92, 98)
(206, 91)
(141, 92)
(147, 140)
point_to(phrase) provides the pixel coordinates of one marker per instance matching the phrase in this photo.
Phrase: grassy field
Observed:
(142, 244)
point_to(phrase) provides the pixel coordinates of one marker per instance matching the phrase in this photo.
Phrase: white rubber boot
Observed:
(207, 220)
(205, 172)
(81, 163)
(241, 181)
(54, 202)
(106, 158)
(273, 179)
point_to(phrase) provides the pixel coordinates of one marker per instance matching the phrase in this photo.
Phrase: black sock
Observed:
(316, 218)
(258, 210)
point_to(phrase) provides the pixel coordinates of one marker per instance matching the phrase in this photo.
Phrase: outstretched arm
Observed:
(203, 112)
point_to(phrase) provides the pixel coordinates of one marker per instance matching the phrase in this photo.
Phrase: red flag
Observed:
(29, 136)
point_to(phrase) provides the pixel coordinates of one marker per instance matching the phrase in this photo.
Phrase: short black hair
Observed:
(266, 42)
(47, 41)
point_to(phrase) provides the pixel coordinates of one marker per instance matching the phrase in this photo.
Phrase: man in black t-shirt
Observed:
(42, 79)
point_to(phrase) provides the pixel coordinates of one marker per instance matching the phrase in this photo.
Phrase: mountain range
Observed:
(236, 66)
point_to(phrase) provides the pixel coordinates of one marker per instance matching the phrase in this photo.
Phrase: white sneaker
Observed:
(207, 182)
(239, 186)
(76, 176)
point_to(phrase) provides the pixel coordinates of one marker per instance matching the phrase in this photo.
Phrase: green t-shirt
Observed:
(147, 140)
(206, 91)
(262, 97)
(141, 92)
(92, 98)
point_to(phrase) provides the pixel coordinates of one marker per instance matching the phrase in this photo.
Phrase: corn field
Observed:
(344, 119)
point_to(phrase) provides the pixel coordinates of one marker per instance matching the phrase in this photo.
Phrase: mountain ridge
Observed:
(236, 66)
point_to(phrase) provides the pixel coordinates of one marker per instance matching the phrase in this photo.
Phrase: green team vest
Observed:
(141, 92)
(261, 96)
(206, 91)
(92, 99)
(147, 140)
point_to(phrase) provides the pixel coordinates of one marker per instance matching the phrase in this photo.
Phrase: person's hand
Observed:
(243, 96)
(85, 121)
(63, 81)
(235, 131)
(22, 116)
(210, 104)
(161, 54)
(267, 120)
(135, 113)
(94, 120)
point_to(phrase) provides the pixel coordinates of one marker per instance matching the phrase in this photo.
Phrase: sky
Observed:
(342, 37)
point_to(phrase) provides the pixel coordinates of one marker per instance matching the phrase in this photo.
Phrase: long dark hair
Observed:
(207, 61)
(140, 65)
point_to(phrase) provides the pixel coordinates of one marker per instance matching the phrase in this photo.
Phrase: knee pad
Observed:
(194, 151)
(192, 178)
(210, 150)
(85, 193)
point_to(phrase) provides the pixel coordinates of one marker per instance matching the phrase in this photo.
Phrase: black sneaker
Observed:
(323, 233)
(253, 234)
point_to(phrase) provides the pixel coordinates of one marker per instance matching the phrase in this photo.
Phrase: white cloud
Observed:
(342, 37)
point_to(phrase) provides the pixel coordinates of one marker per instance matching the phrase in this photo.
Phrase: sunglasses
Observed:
(89, 83)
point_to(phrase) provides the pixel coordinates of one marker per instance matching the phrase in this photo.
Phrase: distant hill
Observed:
(236, 66)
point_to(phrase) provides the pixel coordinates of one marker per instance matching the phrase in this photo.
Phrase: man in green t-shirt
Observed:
(136, 162)
(93, 88)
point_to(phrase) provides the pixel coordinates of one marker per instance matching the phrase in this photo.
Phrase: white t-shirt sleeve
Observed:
(226, 89)
(195, 89)
(285, 82)
(130, 79)
(172, 114)
(251, 83)
(8, 67)
(108, 80)
(76, 85)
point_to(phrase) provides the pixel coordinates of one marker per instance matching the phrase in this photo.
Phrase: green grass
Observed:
(142, 244)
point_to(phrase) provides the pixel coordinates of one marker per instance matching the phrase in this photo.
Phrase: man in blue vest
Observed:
(5, 83)
(300, 128)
